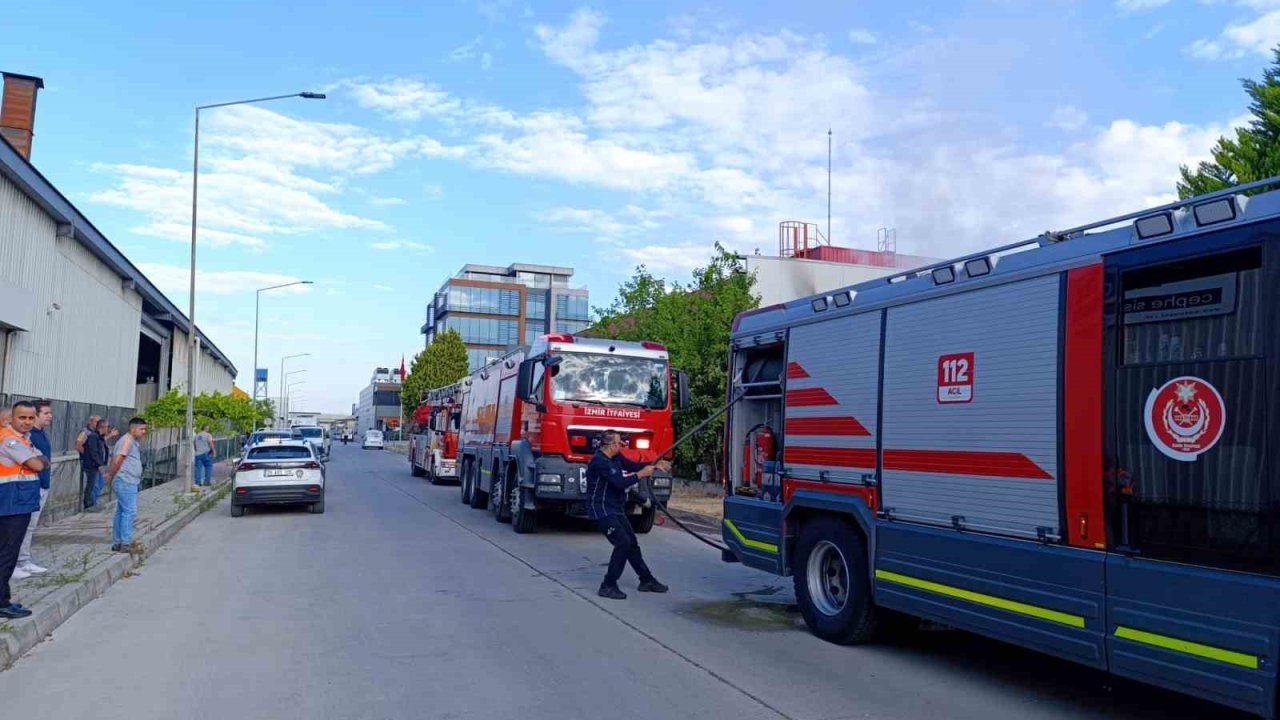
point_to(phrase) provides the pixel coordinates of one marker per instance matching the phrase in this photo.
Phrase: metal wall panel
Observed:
(842, 359)
(1008, 433)
(85, 349)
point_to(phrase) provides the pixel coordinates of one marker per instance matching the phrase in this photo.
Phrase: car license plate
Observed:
(278, 473)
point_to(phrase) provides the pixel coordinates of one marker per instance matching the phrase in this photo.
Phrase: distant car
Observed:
(265, 436)
(372, 439)
(316, 435)
(287, 472)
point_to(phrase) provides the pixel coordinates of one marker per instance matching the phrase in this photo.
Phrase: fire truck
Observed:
(1068, 444)
(433, 448)
(532, 419)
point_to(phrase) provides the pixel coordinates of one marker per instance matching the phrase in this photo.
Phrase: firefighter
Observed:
(608, 476)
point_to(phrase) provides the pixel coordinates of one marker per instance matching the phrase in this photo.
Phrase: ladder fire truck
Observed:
(433, 449)
(1067, 444)
(532, 419)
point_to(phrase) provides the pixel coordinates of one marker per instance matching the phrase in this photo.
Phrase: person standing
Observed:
(609, 474)
(125, 474)
(82, 441)
(40, 441)
(92, 462)
(20, 465)
(6, 417)
(204, 456)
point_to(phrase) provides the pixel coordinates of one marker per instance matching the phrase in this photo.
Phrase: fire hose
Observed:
(647, 488)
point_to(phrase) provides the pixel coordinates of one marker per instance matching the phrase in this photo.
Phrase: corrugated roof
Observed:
(37, 187)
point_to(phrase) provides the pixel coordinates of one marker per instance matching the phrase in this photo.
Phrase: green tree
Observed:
(443, 362)
(222, 413)
(1254, 152)
(694, 322)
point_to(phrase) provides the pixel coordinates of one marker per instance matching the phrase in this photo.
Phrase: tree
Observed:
(1254, 152)
(694, 322)
(222, 413)
(442, 363)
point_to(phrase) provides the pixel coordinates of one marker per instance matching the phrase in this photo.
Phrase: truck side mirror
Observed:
(524, 382)
(682, 389)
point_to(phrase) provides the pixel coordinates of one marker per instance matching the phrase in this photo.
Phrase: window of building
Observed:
(490, 301)
(535, 305)
(479, 357)
(532, 279)
(531, 334)
(572, 307)
(485, 331)
(571, 326)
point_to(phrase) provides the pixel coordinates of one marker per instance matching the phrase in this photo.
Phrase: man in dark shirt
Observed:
(92, 461)
(609, 474)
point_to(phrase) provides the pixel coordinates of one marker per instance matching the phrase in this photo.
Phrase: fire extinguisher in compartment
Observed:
(758, 449)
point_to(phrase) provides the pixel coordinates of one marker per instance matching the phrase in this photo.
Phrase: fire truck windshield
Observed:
(611, 380)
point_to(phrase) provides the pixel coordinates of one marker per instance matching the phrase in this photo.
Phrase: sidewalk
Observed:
(77, 551)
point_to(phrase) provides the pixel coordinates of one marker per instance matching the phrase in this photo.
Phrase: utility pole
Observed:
(828, 186)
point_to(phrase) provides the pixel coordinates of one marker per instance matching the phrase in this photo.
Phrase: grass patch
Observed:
(6, 628)
(75, 571)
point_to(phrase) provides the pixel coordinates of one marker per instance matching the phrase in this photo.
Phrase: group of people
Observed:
(26, 459)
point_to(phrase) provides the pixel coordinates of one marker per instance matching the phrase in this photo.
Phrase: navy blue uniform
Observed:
(607, 483)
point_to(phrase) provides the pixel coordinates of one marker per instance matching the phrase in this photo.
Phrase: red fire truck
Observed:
(532, 419)
(1068, 444)
(433, 448)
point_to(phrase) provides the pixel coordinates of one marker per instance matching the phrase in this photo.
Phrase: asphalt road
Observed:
(399, 602)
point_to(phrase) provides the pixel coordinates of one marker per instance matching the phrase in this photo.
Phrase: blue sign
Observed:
(260, 375)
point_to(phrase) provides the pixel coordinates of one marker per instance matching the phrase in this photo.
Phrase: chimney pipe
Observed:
(18, 111)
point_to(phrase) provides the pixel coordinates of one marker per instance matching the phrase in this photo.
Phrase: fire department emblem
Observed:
(1185, 417)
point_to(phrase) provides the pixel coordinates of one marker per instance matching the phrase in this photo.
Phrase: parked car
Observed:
(279, 473)
(265, 436)
(372, 439)
(317, 436)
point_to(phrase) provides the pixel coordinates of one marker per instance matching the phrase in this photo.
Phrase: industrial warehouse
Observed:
(79, 323)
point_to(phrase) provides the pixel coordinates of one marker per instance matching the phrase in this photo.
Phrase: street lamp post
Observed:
(257, 302)
(288, 394)
(192, 350)
(280, 407)
(284, 399)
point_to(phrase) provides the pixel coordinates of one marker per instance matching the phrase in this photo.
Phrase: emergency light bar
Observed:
(1212, 213)
(1154, 225)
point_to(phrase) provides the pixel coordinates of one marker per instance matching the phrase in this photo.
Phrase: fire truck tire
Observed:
(413, 467)
(478, 499)
(498, 501)
(522, 520)
(643, 522)
(464, 484)
(832, 582)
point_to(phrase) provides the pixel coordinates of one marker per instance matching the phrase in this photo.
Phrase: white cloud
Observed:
(401, 245)
(174, 278)
(862, 36)
(1257, 35)
(387, 201)
(1139, 5)
(630, 220)
(1068, 118)
(673, 259)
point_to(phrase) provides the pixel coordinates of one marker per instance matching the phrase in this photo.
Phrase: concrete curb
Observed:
(19, 636)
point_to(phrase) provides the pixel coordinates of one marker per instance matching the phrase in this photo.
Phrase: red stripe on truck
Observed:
(795, 372)
(951, 462)
(841, 426)
(809, 397)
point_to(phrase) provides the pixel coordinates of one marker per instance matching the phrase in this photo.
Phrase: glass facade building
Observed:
(495, 309)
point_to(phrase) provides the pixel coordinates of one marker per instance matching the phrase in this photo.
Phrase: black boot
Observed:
(612, 592)
(652, 585)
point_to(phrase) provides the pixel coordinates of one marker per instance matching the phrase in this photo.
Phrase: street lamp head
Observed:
(306, 282)
(312, 95)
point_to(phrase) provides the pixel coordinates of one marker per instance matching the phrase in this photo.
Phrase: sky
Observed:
(599, 137)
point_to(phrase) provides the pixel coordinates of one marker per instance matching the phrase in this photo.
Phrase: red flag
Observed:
(402, 367)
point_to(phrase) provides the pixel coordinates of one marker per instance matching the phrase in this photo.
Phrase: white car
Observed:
(287, 472)
(372, 439)
(315, 435)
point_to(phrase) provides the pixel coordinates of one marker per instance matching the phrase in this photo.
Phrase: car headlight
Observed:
(662, 482)
(549, 479)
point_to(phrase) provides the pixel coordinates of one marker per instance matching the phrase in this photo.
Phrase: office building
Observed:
(379, 404)
(496, 308)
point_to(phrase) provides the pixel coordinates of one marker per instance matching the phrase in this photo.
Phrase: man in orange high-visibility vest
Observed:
(20, 466)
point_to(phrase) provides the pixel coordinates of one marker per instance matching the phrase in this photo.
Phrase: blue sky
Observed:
(598, 136)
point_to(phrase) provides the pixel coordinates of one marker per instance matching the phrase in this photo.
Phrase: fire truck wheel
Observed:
(832, 582)
(465, 482)
(478, 499)
(522, 520)
(498, 501)
(413, 468)
(643, 522)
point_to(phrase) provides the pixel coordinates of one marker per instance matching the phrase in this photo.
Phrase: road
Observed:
(399, 602)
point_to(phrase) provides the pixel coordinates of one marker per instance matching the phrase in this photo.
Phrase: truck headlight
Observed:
(549, 479)
(662, 482)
